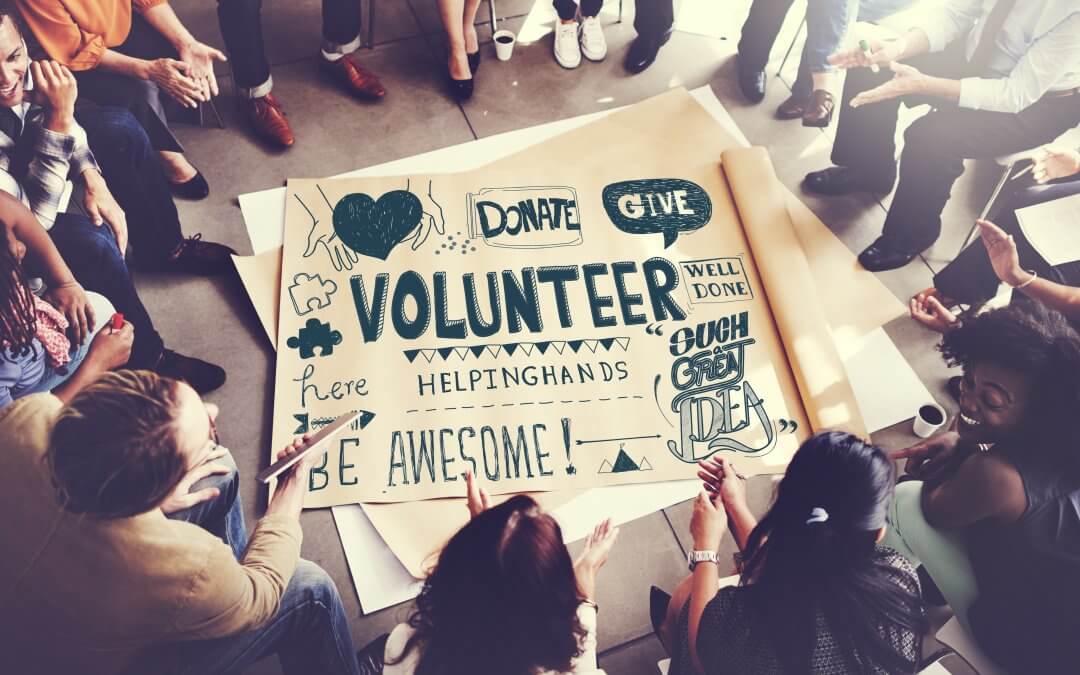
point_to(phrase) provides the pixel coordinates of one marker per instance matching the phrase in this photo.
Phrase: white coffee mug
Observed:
(928, 419)
(504, 44)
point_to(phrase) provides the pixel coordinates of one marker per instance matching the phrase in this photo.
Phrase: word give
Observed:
(657, 205)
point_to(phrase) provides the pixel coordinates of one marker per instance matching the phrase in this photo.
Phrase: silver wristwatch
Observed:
(695, 557)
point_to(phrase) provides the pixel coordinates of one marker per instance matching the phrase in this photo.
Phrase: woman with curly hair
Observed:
(994, 516)
(505, 597)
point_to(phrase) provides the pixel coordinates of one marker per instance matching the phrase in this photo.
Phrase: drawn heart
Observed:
(374, 228)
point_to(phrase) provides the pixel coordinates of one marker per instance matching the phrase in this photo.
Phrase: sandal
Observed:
(819, 109)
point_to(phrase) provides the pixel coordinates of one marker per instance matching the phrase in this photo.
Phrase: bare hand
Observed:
(932, 457)
(102, 208)
(598, 547)
(882, 51)
(1052, 163)
(182, 497)
(292, 483)
(478, 496)
(174, 78)
(112, 348)
(200, 59)
(708, 523)
(721, 479)
(906, 80)
(55, 89)
(1001, 248)
(71, 300)
(928, 310)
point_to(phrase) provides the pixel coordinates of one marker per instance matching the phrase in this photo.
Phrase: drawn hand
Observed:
(928, 309)
(708, 523)
(182, 497)
(598, 547)
(1052, 163)
(478, 496)
(1001, 247)
(322, 234)
(432, 219)
(722, 479)
(906, 80)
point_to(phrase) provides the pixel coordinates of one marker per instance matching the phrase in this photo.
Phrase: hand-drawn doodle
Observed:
(787, 426)
(309, 292)
(623, 463)
(315, 334)
(657, 205)
(322, 235)
(374, 227)
(716, 280)
(431, 218)
(525, 217)
(304, 426)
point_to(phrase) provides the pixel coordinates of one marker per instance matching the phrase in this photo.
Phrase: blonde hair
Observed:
(113, 451)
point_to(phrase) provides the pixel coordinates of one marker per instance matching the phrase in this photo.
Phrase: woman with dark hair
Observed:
(505, 598)
(38, 353)
(816, 594)
(995, 519)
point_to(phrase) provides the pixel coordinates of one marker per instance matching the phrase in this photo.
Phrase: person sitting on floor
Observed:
(994, 516)
(241, 27)
(1005, 256)
(41, 145)
(125, 549)
(129, 53)
(1002, 77)
(505, 598)
(817, 593)
(36, 352)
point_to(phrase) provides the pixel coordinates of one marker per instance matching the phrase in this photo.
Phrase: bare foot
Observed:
(177, 169)
(458, 65)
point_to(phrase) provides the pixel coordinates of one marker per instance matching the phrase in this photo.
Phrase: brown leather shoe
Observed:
(268, 119)
(819, 109)
(357, 80)
(792, 108)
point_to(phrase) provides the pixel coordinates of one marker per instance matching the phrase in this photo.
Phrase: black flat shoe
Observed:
(658, 606)
(879, 258)
(195, 187)
(842, 180)
(643, 51)
(474, 61)
(371, 658)
(751, 82)
(460, 90)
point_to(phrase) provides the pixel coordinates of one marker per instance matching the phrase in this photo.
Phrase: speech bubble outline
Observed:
(665, 206)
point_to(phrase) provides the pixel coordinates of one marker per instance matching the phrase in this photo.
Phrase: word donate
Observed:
(525, 217)
(657, 205)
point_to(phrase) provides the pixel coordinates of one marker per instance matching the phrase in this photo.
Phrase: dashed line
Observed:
(510, 405)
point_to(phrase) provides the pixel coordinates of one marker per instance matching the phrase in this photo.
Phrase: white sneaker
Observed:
(567, 49)
(593, 44)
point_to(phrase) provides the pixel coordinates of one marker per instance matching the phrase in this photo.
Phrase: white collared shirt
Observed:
(1037, 50)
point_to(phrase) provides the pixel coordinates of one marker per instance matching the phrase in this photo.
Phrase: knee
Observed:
(931, 134)
(907, 504)
(227, 483)
(315, 586)
(115, 129)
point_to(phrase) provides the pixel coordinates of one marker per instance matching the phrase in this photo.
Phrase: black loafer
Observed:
(658, 607)
(879, 258)
(643, 51)
(474, 61)
(842, 180)
(460, 90)
(751, 82)
(195, 187)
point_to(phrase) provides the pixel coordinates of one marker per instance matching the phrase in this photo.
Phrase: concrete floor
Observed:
(213, 318)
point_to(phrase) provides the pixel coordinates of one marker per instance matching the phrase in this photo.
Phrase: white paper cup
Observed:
(504, 44)
(928, 419)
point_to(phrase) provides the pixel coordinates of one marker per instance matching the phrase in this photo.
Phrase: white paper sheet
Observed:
(379, 578)
(880, 361)
(1053, 229)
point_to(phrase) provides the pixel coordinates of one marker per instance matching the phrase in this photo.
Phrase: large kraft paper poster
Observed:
(609, 327)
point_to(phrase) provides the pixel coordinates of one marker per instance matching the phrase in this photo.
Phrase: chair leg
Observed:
(791, 46)
(494, 18)
(217, 115)
(620, 11)
(1005, 175)
(371, 24)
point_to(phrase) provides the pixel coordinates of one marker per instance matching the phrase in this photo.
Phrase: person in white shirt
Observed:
(1002, 76)
(505, 597)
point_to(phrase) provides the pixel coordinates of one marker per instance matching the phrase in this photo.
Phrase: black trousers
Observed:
(143, 98)
(567, 9)
(970, 278)
(241, 27)
(653, 18)
(935, 145)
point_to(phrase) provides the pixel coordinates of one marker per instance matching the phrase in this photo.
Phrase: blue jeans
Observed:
(309, 634)
(54, 377)
(94, 258)
(826, 25)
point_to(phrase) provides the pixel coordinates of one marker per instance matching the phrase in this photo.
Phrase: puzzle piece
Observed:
(309, 292)
(315, 334)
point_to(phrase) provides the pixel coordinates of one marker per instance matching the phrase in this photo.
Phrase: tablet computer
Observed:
(324, 434)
